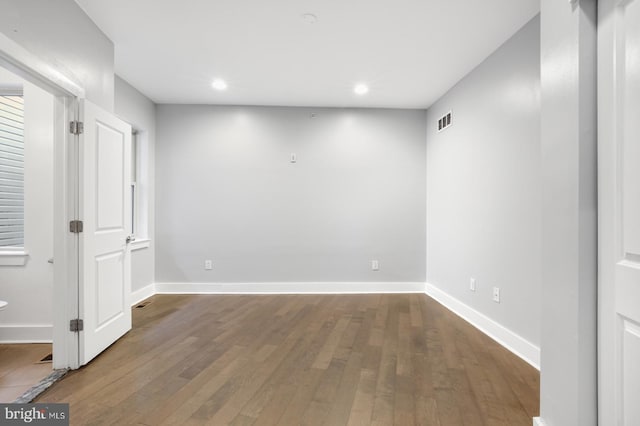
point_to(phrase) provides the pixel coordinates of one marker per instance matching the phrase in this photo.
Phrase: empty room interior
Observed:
(302, 212)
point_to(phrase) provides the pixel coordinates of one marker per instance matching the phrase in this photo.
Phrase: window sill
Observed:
(140, 244)
(13, 258)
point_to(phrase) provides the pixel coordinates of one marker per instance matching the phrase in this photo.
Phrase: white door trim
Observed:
(65, 253)
(52, 77)
(66, 89)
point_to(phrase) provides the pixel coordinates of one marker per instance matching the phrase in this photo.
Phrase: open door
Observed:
(105, 254)
(619, 212)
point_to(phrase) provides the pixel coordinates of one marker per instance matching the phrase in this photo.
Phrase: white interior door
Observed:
(619, 212)
(105, 205)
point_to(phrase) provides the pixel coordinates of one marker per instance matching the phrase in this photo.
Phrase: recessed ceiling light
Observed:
(219, 84)
(310, 18)
(361, 89)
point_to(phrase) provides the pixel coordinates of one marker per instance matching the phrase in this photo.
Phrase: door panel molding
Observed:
(619, 212)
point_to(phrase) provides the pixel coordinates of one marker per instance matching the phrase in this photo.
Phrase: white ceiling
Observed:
(410, 52)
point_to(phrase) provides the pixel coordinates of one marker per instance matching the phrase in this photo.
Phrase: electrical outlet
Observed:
(375, 265)
(293, 158)
(496, 294)
(472, 284)
(208, 265)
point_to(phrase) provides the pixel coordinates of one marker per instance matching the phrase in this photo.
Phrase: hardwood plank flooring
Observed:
(20, 368)
(383, 359)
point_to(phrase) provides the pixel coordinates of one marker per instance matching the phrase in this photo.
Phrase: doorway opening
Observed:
(27, 122)
(39, 256)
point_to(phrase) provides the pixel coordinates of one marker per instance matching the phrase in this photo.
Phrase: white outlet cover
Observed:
(208, 265)
(375, 265)
(472, 284)
(496, 294)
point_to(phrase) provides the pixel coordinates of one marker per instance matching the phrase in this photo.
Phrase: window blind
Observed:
(11, 171)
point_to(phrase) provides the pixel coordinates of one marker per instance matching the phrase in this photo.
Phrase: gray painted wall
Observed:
(483, 187)
(139, 111)
(61, 34)
(226, 191)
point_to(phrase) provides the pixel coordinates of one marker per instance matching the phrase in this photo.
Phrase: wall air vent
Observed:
(444, 121)
(142, 304)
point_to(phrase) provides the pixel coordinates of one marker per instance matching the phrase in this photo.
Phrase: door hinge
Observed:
(76, 325)
(75, 226)
(76, 127)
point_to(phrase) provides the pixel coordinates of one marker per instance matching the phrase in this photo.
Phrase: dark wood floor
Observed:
(334, 360)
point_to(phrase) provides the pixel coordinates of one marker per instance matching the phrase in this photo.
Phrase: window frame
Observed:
(139, 197)
(13, 255)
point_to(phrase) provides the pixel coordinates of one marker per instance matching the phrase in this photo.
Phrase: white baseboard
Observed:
(290, 288)
(507, 338)
(537, 421)
(139, 295)
(26, 333)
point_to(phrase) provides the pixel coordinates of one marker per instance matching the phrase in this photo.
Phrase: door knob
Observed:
(130, 238)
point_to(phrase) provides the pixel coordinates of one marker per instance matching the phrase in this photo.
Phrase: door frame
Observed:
(67, 90)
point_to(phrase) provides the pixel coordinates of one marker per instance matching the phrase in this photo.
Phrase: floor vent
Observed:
(47, 358)
(142, 305)
(444, 121)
